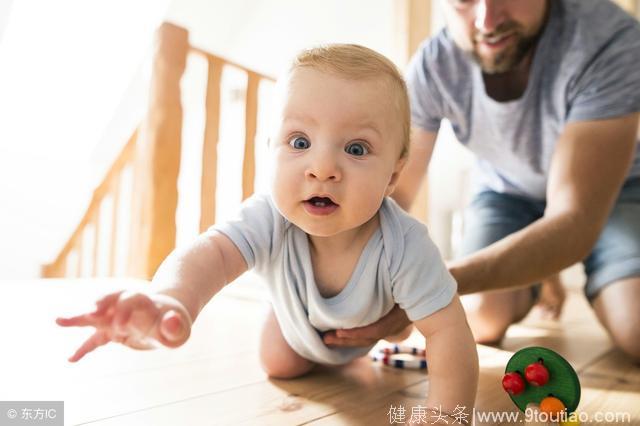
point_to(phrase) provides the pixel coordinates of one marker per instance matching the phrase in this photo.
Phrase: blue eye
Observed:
(356, 149)
(300, 142)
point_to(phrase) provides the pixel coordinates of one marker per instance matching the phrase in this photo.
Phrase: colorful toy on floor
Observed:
(402, 357)
(541, 376)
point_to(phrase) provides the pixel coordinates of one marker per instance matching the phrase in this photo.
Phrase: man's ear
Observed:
(395, 175)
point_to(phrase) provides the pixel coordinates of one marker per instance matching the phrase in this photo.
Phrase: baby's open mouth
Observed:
(321, 202)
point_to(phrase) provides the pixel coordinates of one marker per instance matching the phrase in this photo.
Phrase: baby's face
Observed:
(336, 152)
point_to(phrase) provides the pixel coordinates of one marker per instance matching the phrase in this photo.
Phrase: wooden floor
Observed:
(215, 379)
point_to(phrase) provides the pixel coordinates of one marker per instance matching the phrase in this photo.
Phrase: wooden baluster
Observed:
(115, 206)
(418, 22)
(251, 116)
(67, 265)
(51, 270)
(96, 239)
(157, 161)
(210, 145)
(79, 248)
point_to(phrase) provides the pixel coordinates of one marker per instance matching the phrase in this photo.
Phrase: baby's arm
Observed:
(195, 273)
(452, 360)
(184, 283)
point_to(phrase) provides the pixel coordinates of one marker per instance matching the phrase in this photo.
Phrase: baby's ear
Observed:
(400, 163)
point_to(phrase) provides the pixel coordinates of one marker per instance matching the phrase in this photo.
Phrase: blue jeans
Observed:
(492, 216)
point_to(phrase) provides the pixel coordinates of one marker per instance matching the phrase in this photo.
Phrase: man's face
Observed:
(498, 33)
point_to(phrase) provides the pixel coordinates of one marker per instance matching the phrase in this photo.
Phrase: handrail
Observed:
(211, 56)
(108, 184)
(153, 151)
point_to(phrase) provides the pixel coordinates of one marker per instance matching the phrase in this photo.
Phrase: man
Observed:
(546, 95)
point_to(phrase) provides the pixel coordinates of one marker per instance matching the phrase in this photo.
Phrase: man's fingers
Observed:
(331, 339)
(353, 337)
(354, 343)
(98, 339)
(391, 324)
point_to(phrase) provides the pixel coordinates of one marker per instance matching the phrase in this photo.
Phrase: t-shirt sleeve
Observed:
(254, 230)
(610, 84)
(424, 99)
(422, 285)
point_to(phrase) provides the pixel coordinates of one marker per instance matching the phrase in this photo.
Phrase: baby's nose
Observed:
(321, 175)
(324, 168)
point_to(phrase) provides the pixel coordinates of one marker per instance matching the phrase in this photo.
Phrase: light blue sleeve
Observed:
(610, 84)
(254, 230)
(424, 99)
(422, 285)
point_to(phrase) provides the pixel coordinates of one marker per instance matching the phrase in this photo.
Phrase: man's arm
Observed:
(588, 167)
(590, 163)
(422, 144)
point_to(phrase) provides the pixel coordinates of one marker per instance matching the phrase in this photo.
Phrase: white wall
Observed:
(263, 34)
(64, 67)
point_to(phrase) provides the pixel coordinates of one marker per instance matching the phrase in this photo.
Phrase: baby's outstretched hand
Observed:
(137, 320)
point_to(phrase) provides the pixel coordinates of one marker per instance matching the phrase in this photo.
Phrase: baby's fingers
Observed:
(99, 338)
(99, 317)
(82, 320)
(103, 304)
(135, 316)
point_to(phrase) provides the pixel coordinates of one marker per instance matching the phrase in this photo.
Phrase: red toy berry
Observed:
(513, 383)
(536, 374)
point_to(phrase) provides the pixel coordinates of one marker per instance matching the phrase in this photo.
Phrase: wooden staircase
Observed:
(152, 158)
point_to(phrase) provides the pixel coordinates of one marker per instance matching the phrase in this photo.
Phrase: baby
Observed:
(335, 251)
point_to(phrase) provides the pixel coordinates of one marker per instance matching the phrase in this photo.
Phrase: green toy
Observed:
(536, 373)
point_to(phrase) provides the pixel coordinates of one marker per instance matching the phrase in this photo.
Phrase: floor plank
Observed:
(615, 365)
(215, 379)
(605, 400)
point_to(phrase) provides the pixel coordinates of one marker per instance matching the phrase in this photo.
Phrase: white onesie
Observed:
(399, 264)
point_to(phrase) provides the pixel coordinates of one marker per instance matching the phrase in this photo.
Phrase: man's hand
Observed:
(137, 320)
(391, 324)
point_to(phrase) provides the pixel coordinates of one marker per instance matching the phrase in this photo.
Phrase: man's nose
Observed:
(489, 15)
(324, 166)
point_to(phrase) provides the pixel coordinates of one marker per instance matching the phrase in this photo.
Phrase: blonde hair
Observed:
(358, 62)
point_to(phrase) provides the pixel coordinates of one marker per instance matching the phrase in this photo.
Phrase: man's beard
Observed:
(507, 59)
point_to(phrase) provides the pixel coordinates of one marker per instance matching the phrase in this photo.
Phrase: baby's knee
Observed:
(284, 367)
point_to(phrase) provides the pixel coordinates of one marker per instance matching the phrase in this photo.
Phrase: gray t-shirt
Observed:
(586, 67)
(399, 264)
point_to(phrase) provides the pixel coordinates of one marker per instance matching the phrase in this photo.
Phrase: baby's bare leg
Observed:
(278, 360)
